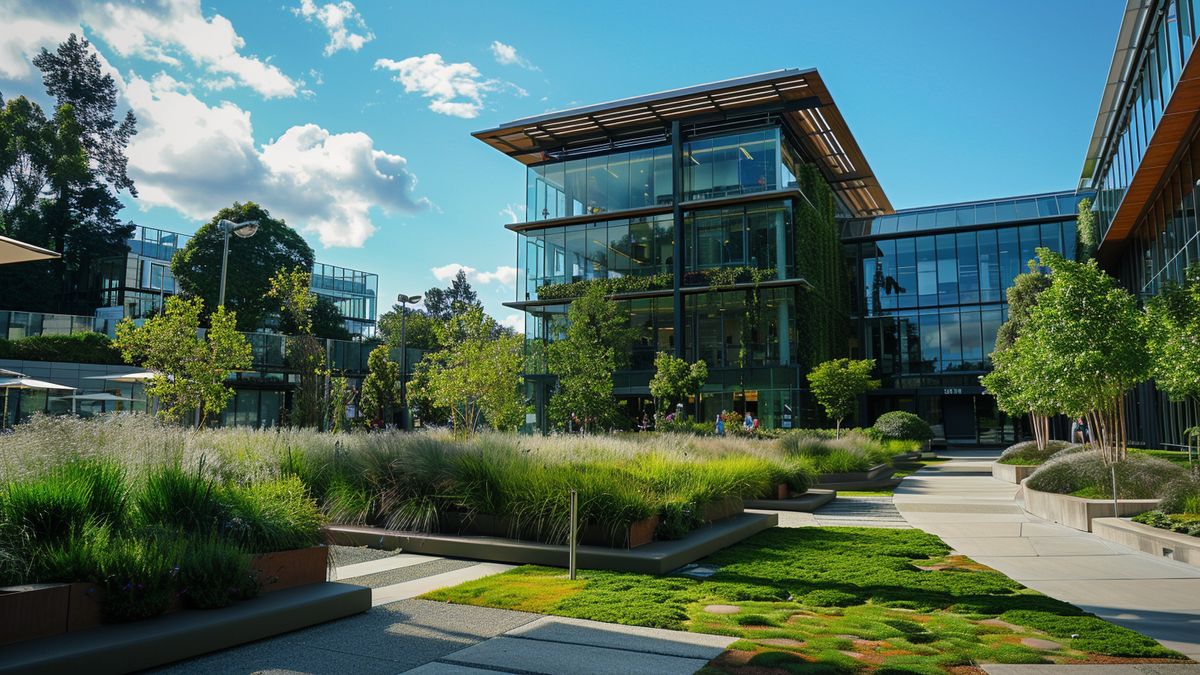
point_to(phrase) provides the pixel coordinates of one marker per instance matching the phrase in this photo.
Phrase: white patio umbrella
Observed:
(125, 377)
(26, 383)
(6, 373)
(13, 251)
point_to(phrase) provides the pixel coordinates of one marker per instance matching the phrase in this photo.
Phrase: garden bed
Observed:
(1013, 473)
(1078, 512)
(874, 473)
(1147, 539)
(658, 557)
(807, 502)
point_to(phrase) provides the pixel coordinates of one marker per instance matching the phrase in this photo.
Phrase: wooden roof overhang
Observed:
(800, 97)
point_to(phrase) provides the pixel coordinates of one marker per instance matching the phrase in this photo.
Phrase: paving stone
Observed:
(722, 609)
(537, 656)
(1038, 643)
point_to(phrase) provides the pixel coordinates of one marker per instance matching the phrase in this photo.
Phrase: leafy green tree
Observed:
(326, 319)
(476, 375)
(584, 361)
(1086, 234)
(252, 263)
(341, 396)
(455, 300)
(381, 388)
(420, 331)
(1013, 381)
(674, 380)
(837, 384)
(1173, 337)
(1085, 344)
(293, 290)
(190, 370)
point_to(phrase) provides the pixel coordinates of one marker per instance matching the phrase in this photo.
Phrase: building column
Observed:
(677, 259)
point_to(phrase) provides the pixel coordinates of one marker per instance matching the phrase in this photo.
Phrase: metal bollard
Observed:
(574, 533)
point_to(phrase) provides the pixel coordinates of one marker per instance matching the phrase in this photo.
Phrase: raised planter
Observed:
(288, 569)
(1147, 539)
(806, 502)
(1013, 473)
(84, 609)
(1078, 512)
(33, 611)
(637, 534)
(722, 509)
(873, 473)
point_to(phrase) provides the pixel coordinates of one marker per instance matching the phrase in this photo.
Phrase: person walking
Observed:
(721, 423)
(748, 422)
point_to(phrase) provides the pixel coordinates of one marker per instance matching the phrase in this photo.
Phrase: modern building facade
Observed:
(929, 293)
(711, 215)
(1143, 163)
(139, 281)
(739, 223)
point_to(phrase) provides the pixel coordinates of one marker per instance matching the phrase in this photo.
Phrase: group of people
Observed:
(749, 422)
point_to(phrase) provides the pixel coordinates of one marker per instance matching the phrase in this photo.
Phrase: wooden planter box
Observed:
(1078, 512)
(33, 611)
(288, 569)
(637, 534)
(1013, 473)
(1156, 541)
(783, 491)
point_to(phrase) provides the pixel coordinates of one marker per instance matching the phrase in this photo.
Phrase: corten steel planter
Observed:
(288, 569)
(33, 611)
(84, 609)
(1013, 473)
(636, 534)
(1078, 512)
(783, 491)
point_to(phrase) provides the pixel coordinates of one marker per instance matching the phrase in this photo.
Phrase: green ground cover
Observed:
(830, 600)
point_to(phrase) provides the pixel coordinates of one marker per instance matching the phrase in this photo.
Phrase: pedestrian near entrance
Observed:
(721, 423)
(1079, 431)
(748, 423)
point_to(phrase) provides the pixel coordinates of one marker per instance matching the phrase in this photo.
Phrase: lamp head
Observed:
(408, 299)
(246, 230)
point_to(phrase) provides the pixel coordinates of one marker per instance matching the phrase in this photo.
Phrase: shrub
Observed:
(1183, 494)
(214, 572)
(182, 500)
(853, 452)
(57, 505)
(137, 575)
(1183, 523)
(829, 598)
(902, 426)
(87, 347)
(1027, 452)
(1084, 474)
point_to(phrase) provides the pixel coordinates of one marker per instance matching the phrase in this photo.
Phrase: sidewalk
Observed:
(980, 517)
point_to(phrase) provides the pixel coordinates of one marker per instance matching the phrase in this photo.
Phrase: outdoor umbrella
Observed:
(25, 383)
(125, 377)
(6, 373)
(13, 251)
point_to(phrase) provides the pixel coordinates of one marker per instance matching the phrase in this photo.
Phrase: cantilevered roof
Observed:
(798, 96)
(1120, 76)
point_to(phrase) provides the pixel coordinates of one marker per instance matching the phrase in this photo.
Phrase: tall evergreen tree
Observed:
(455, 300)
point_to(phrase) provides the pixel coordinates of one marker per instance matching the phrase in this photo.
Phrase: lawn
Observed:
(832, 600)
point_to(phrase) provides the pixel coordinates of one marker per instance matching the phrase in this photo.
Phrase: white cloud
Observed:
(515, 322)
(514, 212)
(163, 31)
(504, 274)
(506, 55)
(456, 89)
(196, 159)
(334, 17)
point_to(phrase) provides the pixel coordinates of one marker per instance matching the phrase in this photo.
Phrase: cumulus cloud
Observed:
(455, 89)
(337, 18)
(164, 31)
(515, 322)
(197, 158)
(504, 274)
(506, 55)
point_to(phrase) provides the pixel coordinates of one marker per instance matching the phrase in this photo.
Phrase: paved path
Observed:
(400, 633)
(860, 512)
(981, 517)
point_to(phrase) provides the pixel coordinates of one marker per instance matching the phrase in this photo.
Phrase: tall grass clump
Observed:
(853, 452)
(1084, 474)
(1027, 452)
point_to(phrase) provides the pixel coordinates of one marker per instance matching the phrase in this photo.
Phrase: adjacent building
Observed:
(1143, 163)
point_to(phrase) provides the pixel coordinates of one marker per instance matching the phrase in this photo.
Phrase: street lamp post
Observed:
(245, 231)
(405, 301)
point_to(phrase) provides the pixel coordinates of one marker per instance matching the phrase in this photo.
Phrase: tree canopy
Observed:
(584, 361)
(381, 388)
(1173, 336)
(252, 262)
(837, 384)
(190, 370)
(674, 380)
(455, 300)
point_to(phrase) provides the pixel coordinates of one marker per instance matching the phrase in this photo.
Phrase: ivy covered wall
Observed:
(822, 322)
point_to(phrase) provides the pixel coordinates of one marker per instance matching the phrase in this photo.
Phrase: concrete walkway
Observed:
(402, 634)
(982, 518)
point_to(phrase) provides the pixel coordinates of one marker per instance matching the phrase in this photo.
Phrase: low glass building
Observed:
(139, 281)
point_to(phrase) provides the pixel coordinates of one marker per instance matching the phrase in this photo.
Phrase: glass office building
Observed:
(139, 281)
(712, 213)
(929, 295)
(1143, 162)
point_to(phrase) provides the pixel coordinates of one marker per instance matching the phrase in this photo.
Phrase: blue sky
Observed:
(353, 121)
